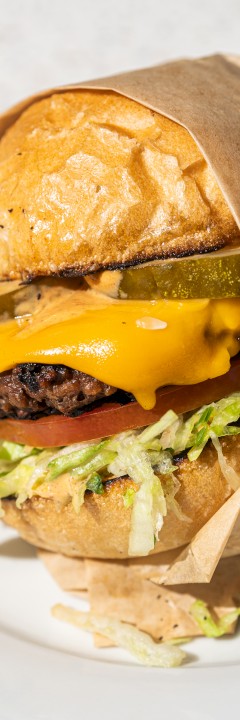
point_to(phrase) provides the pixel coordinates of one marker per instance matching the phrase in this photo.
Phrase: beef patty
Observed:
(32, 390)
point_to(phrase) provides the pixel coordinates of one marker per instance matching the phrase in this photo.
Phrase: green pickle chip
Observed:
(203, 276)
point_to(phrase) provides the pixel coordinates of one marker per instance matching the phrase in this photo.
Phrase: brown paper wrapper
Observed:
(69, 573)
(233, 544)
(198, 561)
(129, 590)
(124, 590)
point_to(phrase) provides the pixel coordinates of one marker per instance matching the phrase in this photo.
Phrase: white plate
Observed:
(49, 670)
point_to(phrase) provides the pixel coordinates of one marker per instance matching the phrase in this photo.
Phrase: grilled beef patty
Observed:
(33, 390)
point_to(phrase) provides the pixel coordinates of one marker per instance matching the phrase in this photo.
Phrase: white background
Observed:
(50, 42)
(45, 43)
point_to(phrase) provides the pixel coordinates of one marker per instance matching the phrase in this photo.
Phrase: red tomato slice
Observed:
(112, 418)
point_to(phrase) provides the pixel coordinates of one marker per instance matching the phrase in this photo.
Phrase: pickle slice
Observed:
(203, 276)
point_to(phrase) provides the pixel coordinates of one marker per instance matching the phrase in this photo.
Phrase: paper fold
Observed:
(198, 561)
(122, 590)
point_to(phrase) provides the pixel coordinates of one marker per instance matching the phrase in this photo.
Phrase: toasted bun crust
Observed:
(91, 180)
(102, 527)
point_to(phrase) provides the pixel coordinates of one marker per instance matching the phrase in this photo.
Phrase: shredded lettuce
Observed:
(212, 419)
(231, 475)
(128, 497)
(149, 504)
(137, 642)
(210, 627)
(171, 485)
(95, 484)
(101, 461)
(72, 459)
(16, 482)
(153, 431)
(147, 456)
(13, 451)
(28, 475)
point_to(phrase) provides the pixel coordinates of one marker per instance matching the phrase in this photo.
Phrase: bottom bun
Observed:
(102, 527)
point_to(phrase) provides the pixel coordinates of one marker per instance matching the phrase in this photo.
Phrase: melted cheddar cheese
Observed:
(134, 345)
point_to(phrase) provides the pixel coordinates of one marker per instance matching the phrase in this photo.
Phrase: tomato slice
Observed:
(112, 418)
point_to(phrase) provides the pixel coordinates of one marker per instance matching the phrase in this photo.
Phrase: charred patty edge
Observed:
(34, 390)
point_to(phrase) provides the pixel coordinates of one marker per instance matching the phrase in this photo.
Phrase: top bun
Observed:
(93, 180)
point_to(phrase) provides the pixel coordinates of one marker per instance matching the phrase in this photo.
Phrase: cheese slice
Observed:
(137, 346)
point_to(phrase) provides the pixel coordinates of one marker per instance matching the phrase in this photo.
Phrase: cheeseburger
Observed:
(119, 329)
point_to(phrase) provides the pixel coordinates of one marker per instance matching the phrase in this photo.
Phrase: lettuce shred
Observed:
(137, 642)
(210, 627)
(147, 456)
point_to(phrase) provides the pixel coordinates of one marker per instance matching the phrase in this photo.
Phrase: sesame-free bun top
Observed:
(93, 180)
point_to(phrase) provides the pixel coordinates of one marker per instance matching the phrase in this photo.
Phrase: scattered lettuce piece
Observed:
(137, 642)
(207, 624)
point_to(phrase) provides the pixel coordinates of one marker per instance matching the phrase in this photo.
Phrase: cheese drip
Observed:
(137, 346)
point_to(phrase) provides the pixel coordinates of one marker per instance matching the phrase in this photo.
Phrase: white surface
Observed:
(50, 670)
(50, 42)
(47, 670)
